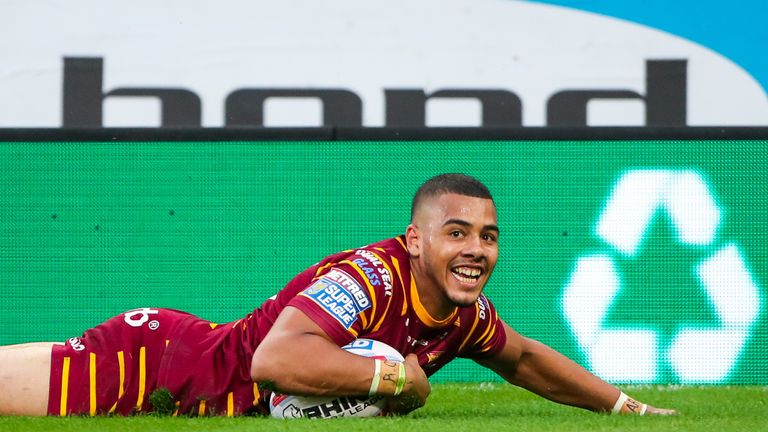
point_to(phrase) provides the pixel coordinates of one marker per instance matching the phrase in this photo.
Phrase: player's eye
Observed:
(489, 238)
(456, 234)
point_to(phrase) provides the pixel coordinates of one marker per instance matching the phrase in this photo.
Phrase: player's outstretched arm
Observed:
(542, 370)
(297, 357)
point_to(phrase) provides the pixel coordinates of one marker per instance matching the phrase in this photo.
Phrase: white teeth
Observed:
(467, 272)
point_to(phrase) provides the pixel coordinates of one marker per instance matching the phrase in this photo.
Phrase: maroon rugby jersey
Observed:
(370, 293)
(362, 293)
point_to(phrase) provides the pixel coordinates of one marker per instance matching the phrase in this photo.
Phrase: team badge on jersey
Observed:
(340, 295)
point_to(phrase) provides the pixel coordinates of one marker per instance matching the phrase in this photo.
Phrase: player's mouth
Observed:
(466, 274)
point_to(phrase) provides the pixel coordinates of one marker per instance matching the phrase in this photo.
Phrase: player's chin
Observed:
(463, 298)
(465, 294)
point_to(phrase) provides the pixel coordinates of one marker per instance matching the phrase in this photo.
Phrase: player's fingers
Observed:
(660, 411)
(412, 358)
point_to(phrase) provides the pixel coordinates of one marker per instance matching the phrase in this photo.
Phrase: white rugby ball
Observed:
(287, 406)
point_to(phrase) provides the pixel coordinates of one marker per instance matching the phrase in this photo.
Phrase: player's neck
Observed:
(429, 294)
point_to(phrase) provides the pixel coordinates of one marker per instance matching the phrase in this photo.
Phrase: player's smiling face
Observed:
(453, 242)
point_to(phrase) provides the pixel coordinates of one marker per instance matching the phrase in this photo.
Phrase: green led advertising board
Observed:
(645, 261)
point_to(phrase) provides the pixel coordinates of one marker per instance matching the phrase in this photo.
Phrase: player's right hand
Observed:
(416, 389)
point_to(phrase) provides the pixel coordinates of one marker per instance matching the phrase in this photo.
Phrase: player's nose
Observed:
(473, 247)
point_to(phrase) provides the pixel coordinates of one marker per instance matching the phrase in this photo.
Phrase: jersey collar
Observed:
(423, 314)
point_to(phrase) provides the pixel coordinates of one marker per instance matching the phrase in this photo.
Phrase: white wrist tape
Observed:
(620, 403)
(376, 378)
(643, 409)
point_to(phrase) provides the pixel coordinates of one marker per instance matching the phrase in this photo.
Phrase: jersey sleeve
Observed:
(345, 298)
(486, 336)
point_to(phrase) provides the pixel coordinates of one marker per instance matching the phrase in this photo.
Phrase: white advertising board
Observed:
(86, 63)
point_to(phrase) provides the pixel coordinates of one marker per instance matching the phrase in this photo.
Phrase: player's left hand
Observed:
(633, 406)
(416, 389)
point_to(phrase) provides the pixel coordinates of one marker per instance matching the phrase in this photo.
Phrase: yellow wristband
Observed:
(391, 378)
(376, 378)
(400, 379)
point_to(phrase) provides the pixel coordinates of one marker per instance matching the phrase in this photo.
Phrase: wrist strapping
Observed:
(633, 406)
(376, 378)
(619, 403)
(400, 379)
(388, 378)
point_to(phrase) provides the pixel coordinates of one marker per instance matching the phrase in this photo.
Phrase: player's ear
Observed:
(413, 240)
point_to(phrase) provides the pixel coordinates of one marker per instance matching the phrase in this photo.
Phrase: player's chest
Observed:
(433, 346)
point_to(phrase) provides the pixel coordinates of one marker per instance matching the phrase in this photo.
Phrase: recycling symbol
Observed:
(695, 354)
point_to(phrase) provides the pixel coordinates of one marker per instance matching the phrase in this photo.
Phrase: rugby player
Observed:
(420, 292)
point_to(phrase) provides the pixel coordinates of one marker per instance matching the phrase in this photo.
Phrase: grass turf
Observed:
(472, 407)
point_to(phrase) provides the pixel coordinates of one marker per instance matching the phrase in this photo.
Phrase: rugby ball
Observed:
(287, 406)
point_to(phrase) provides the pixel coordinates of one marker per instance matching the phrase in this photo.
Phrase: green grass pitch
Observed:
(473, 407)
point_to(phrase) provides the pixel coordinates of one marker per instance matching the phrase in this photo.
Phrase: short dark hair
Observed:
(460, 184)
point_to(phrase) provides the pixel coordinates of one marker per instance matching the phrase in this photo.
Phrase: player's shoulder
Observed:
(391, 248)
(380, 265)
(357, 284)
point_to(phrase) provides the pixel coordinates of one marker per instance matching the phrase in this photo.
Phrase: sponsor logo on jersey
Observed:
(482, 306)
(414, 342)
(370, 271)
(319, 286)
(380, 276)
(341, 296)
(432, 356)
(137, 317)
(76, 344)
